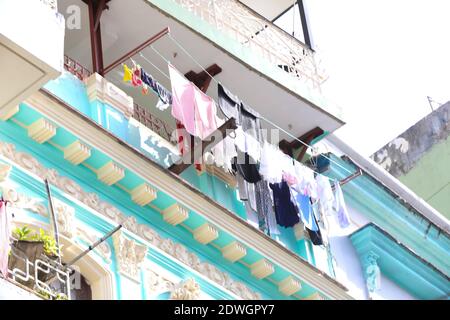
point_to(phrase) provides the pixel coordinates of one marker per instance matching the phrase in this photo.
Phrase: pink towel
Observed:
(5, 232)
(183, 106)
(193, 108)
(206, 111)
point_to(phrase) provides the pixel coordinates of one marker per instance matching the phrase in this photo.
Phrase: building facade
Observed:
(74, 119)
(419, 158)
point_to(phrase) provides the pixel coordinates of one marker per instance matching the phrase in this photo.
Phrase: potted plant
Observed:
(31, 246)
(23, 248)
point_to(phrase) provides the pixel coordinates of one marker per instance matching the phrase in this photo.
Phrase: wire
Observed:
(263, 118)
(143, 57)
(193, 59)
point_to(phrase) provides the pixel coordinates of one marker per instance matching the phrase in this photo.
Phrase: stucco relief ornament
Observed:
(372, 273)
(186, 290)
(93, 201)
(65, 216)
(130, 255)
(157, 284)
(22, 201)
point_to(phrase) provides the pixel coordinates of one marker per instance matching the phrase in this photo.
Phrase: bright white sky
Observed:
(384, 57)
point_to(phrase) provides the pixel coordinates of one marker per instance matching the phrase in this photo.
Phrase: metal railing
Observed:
(256, 32)
(140, 113)
(76, 68)
(35, 275)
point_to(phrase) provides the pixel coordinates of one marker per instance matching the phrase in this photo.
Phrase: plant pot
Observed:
(43, 276)
(21, 250)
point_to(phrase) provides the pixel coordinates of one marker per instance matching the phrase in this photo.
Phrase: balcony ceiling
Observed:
(269, 9)
(129, 23)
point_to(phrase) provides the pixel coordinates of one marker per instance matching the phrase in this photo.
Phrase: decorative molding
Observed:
(184, 193)
(262, 269)
(65, 217)
(143, 194)
(8, 112)
(92, 200)
(5, 169)
(110, 173)
(129, 254)
(77, 153)
(175, 214)
(22, 201)
(157, 284)
(234, 251)
(98, 88)
(102, 249)
(186, 290)
(289, 286)
(41, 130)
(206, 233)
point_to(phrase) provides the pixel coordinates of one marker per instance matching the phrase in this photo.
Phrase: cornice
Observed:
(127, 156)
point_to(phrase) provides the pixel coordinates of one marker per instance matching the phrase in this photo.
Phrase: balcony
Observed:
(31, 53)
(263, 65)
(264, 38)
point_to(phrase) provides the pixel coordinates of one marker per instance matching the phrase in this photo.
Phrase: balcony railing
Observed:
(42, 275)
(262, 36)
(53, 4)
(140, 113)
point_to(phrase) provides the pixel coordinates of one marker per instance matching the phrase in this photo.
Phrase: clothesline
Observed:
(270, 122)
(167, 61)
(260, 116)
(299, 192)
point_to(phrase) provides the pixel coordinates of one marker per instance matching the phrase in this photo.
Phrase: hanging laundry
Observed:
(246, 166)
(315, 236)
(305, 210)
(250, 122)
(165, 97)
(265, 210)
(193, 108)
(5, 232)
(224, 153)
(127, 73)
(183, 106)
(325, 194)
(276, 166)
(286, 213)
(340, 207)
(205, 114)
(247, 144)
(270, 167)
(307, 184)
(229, 104)
(136, 77)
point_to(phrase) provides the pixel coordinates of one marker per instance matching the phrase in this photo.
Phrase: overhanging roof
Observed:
(400, 264)
(385, 208)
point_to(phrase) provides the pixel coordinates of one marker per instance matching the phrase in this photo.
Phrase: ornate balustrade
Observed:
(262, 36)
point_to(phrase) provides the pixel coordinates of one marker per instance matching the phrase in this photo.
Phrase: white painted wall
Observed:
(348, 267)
